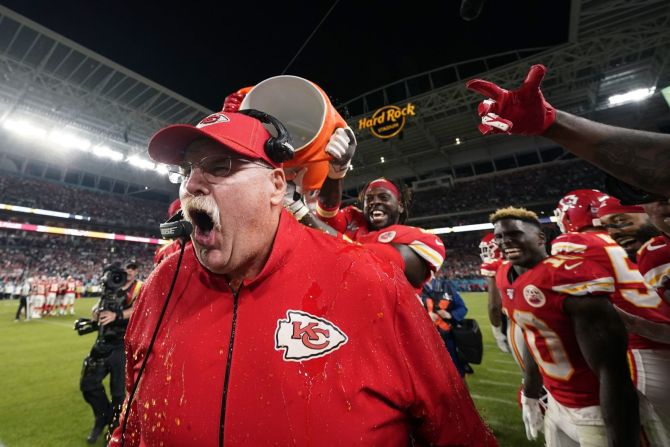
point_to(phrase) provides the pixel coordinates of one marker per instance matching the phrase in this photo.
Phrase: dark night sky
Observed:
(205, 50)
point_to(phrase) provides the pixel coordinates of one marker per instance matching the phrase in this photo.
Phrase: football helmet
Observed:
(488, 249)
(578, 209)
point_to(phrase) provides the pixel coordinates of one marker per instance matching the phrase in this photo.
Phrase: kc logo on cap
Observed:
(213, 119)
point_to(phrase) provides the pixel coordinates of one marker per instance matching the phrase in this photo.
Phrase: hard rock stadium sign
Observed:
(387, 121)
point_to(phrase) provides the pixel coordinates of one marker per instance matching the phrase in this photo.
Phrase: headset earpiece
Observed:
(279, 149)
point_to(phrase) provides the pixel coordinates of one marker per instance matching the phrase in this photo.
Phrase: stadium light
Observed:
(23, 209)
(458, 141)
(107, 152)
(141, 163)
(63, 138)
(24, 128)
(382, 159)
(479, 227)
(69, 140)
(162, 169)
(80, 233)
(633, 95)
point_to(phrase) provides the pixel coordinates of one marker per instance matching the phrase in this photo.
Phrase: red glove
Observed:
(233, 101)
(523, 111)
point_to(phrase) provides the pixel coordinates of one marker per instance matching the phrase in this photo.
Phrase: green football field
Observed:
(40, 363)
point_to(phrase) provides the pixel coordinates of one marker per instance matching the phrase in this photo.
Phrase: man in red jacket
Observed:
(277, 334)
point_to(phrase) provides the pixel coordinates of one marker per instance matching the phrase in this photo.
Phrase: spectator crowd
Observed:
(108, 208)
(24, 254)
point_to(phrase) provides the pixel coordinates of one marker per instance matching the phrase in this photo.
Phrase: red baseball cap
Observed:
(612, 205)
(238, 132)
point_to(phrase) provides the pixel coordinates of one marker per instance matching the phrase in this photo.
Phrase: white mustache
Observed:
(207, 204)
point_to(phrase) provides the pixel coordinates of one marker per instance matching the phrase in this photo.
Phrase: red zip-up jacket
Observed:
(326, 346)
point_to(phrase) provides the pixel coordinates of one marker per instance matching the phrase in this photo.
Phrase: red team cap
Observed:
(578, 209)
(613, 206)
(238, 132)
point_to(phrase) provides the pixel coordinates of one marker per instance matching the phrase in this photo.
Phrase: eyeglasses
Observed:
(213, 167)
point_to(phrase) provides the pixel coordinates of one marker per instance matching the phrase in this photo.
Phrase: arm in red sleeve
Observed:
(387, 252)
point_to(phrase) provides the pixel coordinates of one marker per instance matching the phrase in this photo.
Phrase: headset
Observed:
(280, 148)
(176, 227)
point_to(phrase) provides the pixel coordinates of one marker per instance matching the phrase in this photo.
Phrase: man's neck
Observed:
(253, 266)
(522, 269)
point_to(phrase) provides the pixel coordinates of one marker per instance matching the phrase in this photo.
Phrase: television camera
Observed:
(114, 277)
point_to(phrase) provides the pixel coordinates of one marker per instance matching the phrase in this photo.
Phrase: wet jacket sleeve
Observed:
(440, 403)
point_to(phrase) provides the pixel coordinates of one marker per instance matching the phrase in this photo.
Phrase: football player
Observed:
(576, 341)
(629, 225)
(379, 225)
(70, 294)
(39, 296)
(583, 235)
(654, 256)
(52, 292)
(491, 260)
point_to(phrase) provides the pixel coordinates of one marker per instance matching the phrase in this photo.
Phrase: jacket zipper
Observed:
(228, 365)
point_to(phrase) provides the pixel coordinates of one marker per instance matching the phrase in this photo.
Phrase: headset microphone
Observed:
(176, 227)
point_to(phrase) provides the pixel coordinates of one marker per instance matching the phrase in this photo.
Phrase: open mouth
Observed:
(204, 224)
(512, 253)
(202, 220)
(378, 214)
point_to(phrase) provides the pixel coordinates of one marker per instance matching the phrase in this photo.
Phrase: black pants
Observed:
(23, 305)
(92, 375)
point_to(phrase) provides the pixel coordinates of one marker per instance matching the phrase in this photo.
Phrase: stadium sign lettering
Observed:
(387, 121)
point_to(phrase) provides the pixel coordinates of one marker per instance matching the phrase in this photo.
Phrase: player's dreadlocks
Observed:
(511, 212)
(405, 197)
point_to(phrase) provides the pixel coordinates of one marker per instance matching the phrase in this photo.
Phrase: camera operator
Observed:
(110, 319)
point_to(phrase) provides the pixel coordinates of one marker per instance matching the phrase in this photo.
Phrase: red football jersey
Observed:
(349, 221)
(489, 268)
(632, 294)
(534, 301)
(352, 224)
(427, 246)
(71, 286)
(653, 260)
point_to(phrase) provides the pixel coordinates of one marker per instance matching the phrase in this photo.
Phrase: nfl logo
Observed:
(510, 293)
